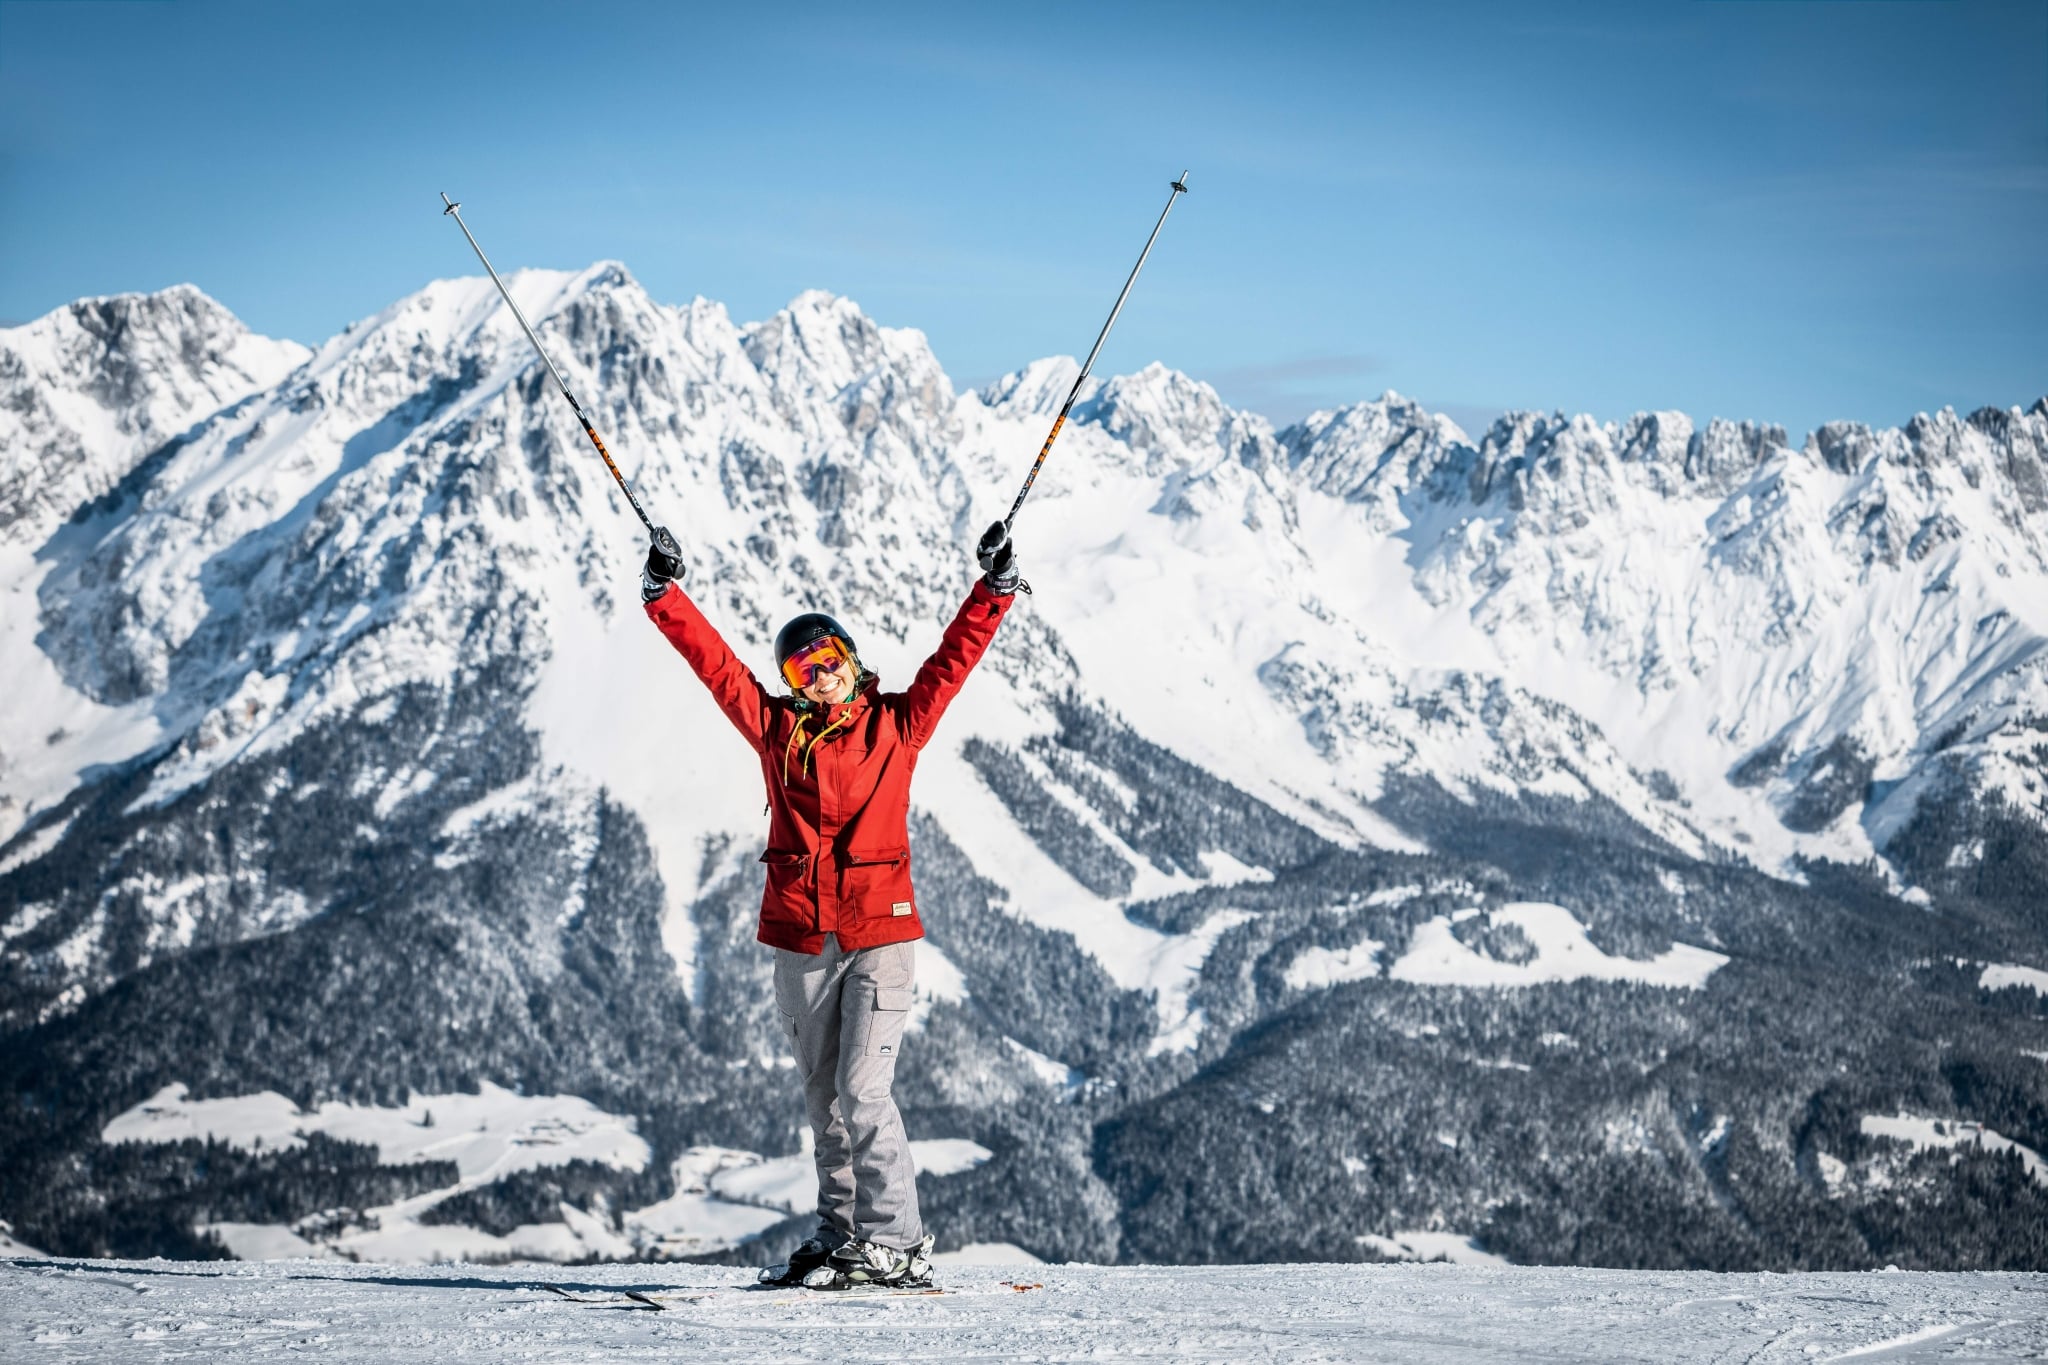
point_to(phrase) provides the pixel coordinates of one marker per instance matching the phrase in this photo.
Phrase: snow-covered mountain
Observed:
(291, 637)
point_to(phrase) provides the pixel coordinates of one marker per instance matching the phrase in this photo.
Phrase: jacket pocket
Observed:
(871, 857)
(788, 895)
(875, 882)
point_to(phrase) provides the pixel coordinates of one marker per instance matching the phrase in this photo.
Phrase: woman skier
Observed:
(839, 910)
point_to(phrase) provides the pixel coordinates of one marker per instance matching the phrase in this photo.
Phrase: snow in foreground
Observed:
(125, 1310)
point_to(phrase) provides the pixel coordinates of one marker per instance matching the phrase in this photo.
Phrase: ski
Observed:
(788, 1274)
(630, 1299)
(842, 1287)
(828, 1280)
(874, 1291)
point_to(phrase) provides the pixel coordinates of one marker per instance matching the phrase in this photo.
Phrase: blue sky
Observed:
(1790, 212)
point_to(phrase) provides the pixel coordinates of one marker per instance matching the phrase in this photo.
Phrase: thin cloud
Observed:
(1286, 390)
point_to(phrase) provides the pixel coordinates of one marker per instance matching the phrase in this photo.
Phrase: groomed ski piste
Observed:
(58, 1310)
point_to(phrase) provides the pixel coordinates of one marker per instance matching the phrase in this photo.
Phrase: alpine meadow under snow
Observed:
(1617, 845)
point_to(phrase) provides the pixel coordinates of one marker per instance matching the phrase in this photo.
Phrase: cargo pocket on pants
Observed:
(885, 1028)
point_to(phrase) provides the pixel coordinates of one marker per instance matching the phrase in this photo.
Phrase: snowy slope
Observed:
(120, 1311)
(1775, 628)
(92, 390)
(98, 385)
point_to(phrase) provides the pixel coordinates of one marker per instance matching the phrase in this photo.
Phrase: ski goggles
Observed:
(826, 654)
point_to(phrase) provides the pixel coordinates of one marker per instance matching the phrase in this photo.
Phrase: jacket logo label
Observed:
(900, 908)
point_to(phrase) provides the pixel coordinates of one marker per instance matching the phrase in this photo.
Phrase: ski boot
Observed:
(813, 1253)
(864, 1265)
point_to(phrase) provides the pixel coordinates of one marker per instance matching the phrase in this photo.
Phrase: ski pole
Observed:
(660, 533)
(1180, 187)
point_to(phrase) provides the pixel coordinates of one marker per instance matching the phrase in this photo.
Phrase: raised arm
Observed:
(940, 677)
(732, 684)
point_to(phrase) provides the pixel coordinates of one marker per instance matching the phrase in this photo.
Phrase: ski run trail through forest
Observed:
(223, 1312)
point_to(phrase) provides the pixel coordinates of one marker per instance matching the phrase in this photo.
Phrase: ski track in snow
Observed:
(52, 1310)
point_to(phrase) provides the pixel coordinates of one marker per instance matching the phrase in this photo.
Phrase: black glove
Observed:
(999, 560)
(664, 565)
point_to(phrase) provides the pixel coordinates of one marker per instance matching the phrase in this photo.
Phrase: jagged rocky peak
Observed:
(1167, 416)
(1713, 460)
(144, 356)
(821, 344)
(605, 303)
(155, 605)
(1939, 466)
(467, 313)
(2024, 439)
(90, 390)
(1390, 416)
(1037, 389)
(1844, 447)
(1563, 465)
(1356, 450)
(2006, 448)
(1660, 438)
(1937, 438)
(1723, 456)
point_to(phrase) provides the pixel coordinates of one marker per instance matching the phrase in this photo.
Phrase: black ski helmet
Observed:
(812, 625)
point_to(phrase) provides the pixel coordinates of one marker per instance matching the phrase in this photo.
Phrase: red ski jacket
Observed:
(838, 778)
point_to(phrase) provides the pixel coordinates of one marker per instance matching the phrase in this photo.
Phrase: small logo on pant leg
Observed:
(900, 908)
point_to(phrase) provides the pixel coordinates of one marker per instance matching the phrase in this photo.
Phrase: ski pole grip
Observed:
(992, 540)
(666, 543)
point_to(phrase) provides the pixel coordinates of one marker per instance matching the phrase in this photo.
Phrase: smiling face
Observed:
(830, 685)
(822, 671)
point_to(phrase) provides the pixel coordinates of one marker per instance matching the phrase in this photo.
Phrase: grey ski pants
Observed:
(844, 1014)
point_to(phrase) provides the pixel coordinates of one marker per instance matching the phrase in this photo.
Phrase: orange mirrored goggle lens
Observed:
(820, 656)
